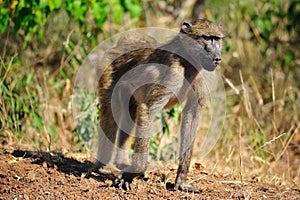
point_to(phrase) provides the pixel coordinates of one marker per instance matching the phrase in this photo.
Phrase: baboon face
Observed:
(213, 46)
(208, 35)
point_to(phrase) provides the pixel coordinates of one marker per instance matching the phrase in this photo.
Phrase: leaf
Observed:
(53, 132)
(288, 59)
(77, 8)
(100, 12)
(38, 17)
(4, 18)
(38, 121)
(57, 3)
(117, 13)
(135, 11)
(29, 78)
(40, 34)
(44, 3)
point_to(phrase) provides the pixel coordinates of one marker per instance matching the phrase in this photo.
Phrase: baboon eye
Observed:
(206, 38)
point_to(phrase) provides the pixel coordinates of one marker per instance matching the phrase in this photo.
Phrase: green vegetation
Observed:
(27, 91)
(31, 16)
(44, 43)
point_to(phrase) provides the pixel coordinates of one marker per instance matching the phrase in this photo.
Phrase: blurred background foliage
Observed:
(43, 43)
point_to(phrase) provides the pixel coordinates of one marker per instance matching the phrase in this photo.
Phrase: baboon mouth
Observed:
(216, 63)
(212, 66)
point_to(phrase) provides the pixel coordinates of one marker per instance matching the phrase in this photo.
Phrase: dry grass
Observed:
(260, 139)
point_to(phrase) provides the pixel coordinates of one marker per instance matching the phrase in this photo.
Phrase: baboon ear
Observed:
(223, 34)
(186, 27)
(220, 26)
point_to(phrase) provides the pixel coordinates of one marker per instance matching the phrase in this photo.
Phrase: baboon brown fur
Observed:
(174, 70)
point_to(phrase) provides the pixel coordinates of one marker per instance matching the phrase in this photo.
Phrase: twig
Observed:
(272, 140)
(65, 44)
(237, 91)
(246, 97)
(290, 139)
(234, 182)
(273, 100)
(240, 150)
(253, 27)
(256, 91)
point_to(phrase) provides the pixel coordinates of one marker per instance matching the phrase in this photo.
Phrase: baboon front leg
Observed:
(189, 124)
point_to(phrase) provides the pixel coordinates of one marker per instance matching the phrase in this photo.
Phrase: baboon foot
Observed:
(126, 179)
(122, 166)
(187, 188)
(101, 168)
(97, 166)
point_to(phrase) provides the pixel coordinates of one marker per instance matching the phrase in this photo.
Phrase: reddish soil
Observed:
(41, 175)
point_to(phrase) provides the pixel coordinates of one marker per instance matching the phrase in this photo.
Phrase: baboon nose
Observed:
(217, 60)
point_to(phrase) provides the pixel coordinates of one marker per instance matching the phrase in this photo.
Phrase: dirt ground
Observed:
(28, 174)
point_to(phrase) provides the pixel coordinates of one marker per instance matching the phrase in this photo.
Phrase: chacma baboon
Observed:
(141, 83)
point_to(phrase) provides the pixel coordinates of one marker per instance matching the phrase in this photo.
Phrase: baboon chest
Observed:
(173, 80)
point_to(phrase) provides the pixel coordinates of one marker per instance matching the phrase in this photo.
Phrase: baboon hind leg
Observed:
(106, 133)
(124, 139)
(156, 99)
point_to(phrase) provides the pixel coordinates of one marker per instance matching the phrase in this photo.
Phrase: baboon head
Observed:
(208, 35)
